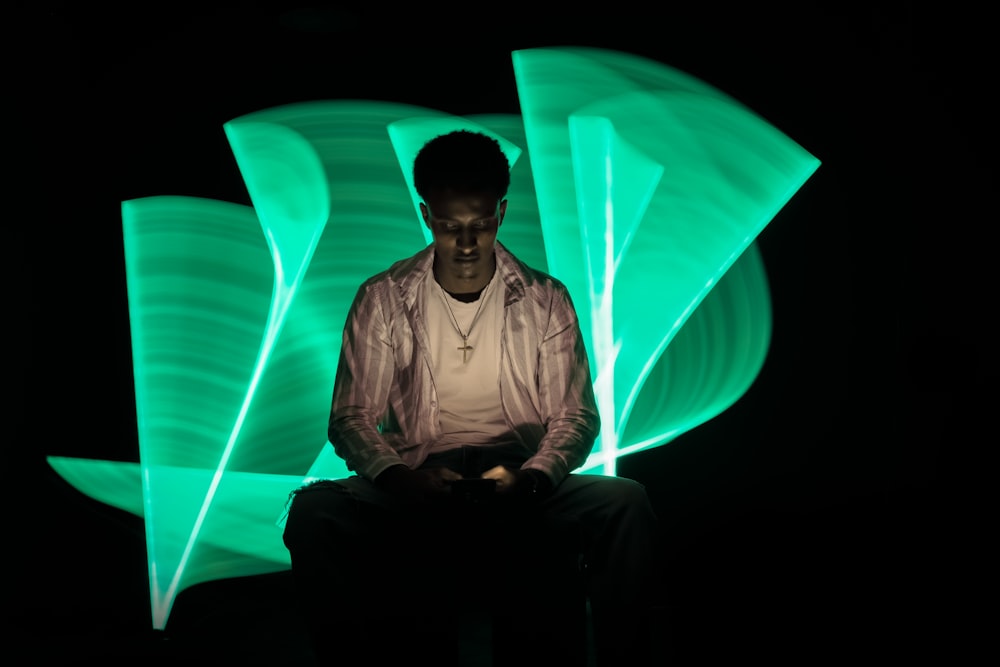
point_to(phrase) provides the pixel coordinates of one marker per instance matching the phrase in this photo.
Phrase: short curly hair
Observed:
(462, 161)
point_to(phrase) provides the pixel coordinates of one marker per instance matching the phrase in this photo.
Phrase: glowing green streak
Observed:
(288, 187)
(168, 301)
(602, 303)
(614, 184)
(706, 182)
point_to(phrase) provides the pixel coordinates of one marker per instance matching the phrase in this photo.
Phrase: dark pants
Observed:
(380, 581)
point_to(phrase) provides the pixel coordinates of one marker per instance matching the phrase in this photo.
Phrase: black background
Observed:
(811, 517)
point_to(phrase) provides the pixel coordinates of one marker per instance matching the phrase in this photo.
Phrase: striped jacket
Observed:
(385, 408)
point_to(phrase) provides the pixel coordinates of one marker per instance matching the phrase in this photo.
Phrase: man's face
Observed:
(465, 228)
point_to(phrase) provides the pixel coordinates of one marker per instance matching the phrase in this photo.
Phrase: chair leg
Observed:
(547, 635)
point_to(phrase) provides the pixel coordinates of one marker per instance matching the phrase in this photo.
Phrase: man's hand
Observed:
(415, 485)
(518, 482)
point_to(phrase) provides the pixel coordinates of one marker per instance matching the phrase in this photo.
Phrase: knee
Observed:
(630, 499)
(308, 513)
(299, 523)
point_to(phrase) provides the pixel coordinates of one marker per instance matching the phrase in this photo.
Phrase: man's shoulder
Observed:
(375, 280)
(399, 269)
(531, 277)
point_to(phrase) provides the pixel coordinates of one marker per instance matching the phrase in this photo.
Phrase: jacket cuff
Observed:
(540, 482)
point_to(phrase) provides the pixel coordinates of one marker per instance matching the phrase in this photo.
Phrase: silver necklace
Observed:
(465, 348)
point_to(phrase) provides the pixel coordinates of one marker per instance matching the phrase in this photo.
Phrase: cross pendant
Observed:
(465, 348)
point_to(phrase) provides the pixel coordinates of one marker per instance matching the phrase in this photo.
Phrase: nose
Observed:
(466, 239)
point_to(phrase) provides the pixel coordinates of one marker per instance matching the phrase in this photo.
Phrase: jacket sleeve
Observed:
(365, 373)
(565, 392)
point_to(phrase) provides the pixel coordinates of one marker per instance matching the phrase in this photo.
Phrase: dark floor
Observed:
(246, 621)
(813, 597)
(862, 581)
(251, 621)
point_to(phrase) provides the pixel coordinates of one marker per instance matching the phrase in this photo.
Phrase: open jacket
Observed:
(385, 406)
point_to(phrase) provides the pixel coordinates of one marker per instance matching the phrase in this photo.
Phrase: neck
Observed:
(463, 288)
(465, 297)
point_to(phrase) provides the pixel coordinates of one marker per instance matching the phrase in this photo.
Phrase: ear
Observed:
(425, 214)
(501, 212)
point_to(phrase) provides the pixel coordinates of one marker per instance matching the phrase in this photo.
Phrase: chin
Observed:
(468, 270)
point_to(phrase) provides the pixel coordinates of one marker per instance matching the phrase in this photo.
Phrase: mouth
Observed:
(466, 259)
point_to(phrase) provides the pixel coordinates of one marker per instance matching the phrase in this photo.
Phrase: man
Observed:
(461, 363)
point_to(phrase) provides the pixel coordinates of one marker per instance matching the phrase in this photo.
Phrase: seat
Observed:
(535, 564)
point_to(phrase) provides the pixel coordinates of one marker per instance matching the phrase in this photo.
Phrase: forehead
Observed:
(451, 205)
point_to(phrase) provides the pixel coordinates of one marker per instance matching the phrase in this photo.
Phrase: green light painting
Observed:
(638, 186)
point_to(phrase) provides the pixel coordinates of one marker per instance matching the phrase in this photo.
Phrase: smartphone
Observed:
(473, 489)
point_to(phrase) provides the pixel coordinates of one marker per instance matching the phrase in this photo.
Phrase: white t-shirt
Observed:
(468, 388)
